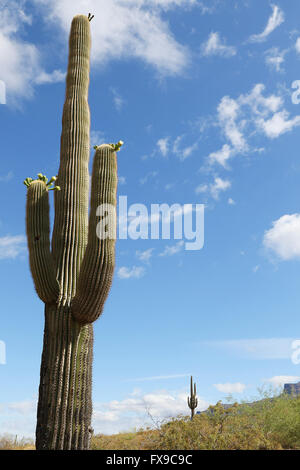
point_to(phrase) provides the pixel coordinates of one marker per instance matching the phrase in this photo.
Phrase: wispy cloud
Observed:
(215, 188)
(221, 156)
(121, 179)
(230, 387)
(159, 377)
(135, 272)
(275, 58)
(54, 77)
(97, 138)
(148, 176)
(275, 20)
(117, 98)
(163, 145)
(280, 380)
(7, 177)
(12, 246)
(252, 113)
(171, 250)
(262, 348)
(216, 46)
(182, 151)
(145, 255)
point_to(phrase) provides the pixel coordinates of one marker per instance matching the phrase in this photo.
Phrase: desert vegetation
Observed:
(271, 423)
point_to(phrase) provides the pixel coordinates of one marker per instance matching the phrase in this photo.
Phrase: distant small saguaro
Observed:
(192, 400)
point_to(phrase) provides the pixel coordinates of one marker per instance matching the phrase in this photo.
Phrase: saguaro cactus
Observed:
(72, 278)
(192, 400)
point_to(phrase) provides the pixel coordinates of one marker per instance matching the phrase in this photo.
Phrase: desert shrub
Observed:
(9, 442)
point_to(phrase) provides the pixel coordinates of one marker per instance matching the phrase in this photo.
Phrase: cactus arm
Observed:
(38, 232)
(97, 268)
(71, 203)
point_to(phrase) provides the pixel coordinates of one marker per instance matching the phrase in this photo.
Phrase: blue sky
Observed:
(201, 94)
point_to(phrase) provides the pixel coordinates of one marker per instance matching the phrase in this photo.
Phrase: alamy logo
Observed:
(135, 222)
(2, 353)
(2, 92)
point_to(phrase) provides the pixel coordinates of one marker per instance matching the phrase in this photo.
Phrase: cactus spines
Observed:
(72, 278)
(192, 400)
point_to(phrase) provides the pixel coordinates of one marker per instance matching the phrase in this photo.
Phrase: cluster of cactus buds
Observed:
(192, 400)
(116, 147)
(41, 177)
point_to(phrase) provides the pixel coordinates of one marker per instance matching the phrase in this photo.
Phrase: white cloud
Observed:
(228, 112)
(128, 273)
(260, 105)
(163, 145)
(215, 46)
(283, 238)
(255, 268)
(145, 256)
(135, 410)
(280, 380)
(278, 124)
(218, 186)
(20, 61)
(230, 387)
(12, 246)
(275, 58)
(262, 348)
(275, 20)
(173, 249)
(126, 29)
(231, 202)
(214, 189)
(111, 417)
(249, 114)
(297, 45)
(139, 31)
(221, 156)
(54, 77)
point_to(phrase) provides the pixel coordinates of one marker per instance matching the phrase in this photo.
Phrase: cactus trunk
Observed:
(72, 278)
(65, 401)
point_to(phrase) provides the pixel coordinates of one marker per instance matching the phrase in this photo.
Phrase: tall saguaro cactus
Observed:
(74, 276)
(192, 400)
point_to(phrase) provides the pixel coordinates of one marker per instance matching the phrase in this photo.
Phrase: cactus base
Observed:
(65, 402)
